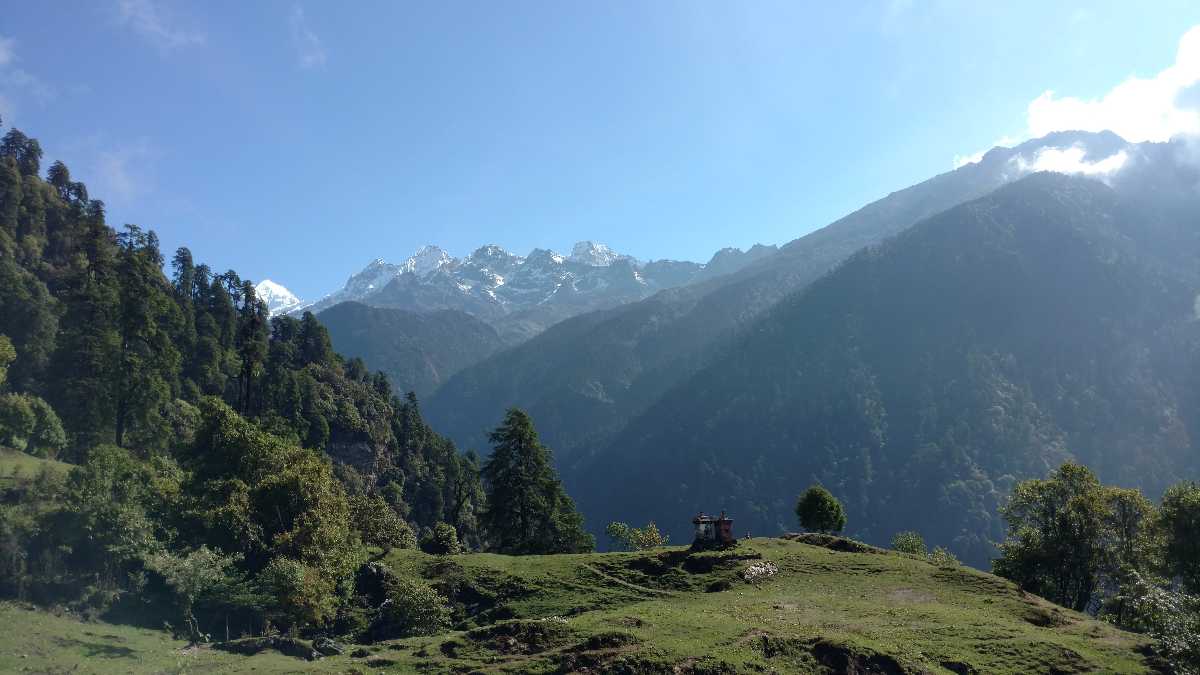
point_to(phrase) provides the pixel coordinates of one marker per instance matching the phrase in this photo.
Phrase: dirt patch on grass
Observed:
(909, 596)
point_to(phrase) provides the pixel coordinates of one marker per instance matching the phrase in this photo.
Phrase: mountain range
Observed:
(928, 349)
(583, 379)
(660, 392)
(519, 295)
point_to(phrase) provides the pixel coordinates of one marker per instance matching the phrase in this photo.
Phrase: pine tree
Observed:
(528, 512)
(251, 346)
(149, 362)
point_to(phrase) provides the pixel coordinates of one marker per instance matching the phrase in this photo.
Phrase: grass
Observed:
(662, 611)
(14, 463)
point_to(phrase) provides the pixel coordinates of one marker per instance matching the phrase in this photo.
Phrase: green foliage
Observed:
(626, 538)
(1180, 522)
(147, 362)
(943, 557)
(909, 542)
(618, 535)
(202, 576)
(412, 608)
(441, 540)
(528, 512)
(28, 423)
(1172, 617)
(379, 524)
(8, 354)
(1068, 533)
(278, 505)
(820, 511)
(299, 594)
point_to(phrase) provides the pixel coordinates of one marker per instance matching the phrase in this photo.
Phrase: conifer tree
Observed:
(528, 512)
(148, 361)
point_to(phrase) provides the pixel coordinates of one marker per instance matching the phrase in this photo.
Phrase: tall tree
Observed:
(148, 361)
(1181, 526)
(528, 512)
(251, 345)
(1057, 544)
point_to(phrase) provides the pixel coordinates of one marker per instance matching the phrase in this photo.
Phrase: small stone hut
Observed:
(713, 531)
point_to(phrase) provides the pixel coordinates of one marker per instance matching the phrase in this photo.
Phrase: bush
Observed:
(379, 524)
(820, 511)
(441, 540)
(300, 594)
(412, 608)
(1172, 618)
(909, 542)
(624, 537)
(942, 557)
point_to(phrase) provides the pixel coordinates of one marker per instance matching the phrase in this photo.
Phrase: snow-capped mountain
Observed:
(278, 298)
(520, 295)
(596, 255)
(427, 259)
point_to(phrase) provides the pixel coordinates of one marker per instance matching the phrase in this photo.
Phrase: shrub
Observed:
(441, 540)
(379, 524)
(942, 557)
(300, 594)
(909, 542)
(624, 537)
(412, 608)
(1172, 618)
(820, 511)
(618, 535)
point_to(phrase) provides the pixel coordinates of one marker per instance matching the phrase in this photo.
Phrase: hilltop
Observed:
(836, 607)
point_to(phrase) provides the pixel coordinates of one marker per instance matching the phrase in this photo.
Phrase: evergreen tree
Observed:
(252, 347)
(820, 511)
(528, 512)
(148, 361)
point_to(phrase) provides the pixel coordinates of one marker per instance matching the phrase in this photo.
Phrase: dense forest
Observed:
(223, 461)
(417, 351)
(587, 378)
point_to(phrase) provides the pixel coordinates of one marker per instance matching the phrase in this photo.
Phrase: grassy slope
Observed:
(17, 463)
(652, 612)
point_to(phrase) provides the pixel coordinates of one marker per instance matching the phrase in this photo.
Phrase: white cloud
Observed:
(1071, 160)
(119, 171)
(7, 50)
(16, 83)
(310, 52)
(1004, 141)
(1138, 109)
(122, 173)
(150, 20)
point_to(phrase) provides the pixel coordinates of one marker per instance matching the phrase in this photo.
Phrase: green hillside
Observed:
(15, 464)
(661, 611)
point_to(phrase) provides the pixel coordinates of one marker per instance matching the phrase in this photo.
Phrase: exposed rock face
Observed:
(522, 295)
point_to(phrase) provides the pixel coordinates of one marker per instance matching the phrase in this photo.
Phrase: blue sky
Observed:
(297, 141)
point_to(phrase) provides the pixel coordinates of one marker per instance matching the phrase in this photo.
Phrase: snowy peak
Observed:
(278, 298)
(426, 260)
(496, 285)
(594, 254)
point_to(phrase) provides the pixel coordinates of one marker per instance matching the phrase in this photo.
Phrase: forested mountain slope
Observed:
(1054, 318)
(417, 351)
(586, 378)
(119, 353)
